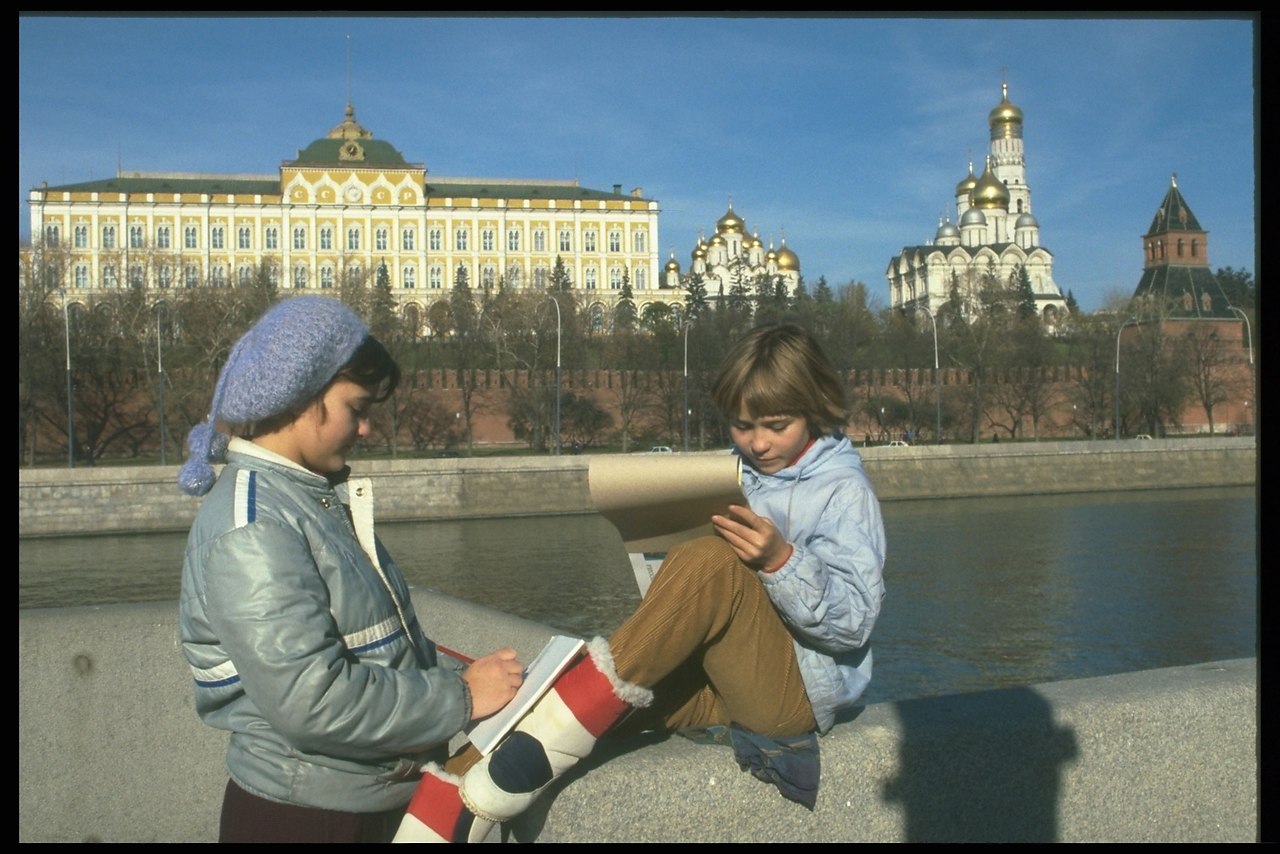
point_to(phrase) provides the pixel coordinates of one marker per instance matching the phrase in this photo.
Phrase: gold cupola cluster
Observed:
(732, 253)
(989, 193)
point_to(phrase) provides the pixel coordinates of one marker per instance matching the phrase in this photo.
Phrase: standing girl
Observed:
(297, 626)
(766, 625)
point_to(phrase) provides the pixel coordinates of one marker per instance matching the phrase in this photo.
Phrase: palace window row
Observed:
(408, 238)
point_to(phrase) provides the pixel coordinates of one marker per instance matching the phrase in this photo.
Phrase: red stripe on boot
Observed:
(588, 693)
(437, 804)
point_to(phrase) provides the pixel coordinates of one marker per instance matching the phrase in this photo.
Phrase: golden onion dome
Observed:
(787, 260)
(1005, 119)
(700, 251)
(771, 255)
(717, 240)
(730, 223)
(965, 187)
(753, 242)
(673, 266)
(990, 192)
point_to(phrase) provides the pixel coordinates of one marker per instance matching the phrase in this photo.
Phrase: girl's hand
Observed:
(492, 681)
(756, 539)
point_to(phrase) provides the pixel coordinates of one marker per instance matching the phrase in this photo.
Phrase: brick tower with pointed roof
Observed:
(1175, 269)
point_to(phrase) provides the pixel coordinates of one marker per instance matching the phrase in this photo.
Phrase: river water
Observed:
(982, 592)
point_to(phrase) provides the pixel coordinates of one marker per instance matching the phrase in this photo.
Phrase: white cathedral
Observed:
(730, 253)
(996, 233)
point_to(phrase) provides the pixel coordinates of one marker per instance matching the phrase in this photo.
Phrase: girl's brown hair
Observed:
(780, 369)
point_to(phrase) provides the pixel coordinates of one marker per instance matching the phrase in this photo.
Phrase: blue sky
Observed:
(846, 136)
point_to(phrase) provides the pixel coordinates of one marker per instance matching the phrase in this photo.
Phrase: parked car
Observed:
(661, 449)
(1143, 436)
(898, 443)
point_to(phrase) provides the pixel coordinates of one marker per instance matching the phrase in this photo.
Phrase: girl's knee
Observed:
(706, 557)
(708, 549)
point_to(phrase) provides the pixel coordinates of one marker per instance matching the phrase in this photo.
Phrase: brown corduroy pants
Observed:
(708, 642)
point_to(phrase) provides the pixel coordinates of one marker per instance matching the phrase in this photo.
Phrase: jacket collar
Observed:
(258, 455)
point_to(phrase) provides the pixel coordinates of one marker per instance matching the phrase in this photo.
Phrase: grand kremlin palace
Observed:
(349, 208)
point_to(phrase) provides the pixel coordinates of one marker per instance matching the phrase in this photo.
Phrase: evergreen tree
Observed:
(624, 313)
(1026, 295)
(381, 307)
(1072, 306)
(560, 277)
(696, 303)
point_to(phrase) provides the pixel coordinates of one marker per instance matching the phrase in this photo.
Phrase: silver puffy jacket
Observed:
(303, 643)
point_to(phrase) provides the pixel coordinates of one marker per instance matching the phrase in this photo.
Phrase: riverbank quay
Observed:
(110, 750)
(141, 499)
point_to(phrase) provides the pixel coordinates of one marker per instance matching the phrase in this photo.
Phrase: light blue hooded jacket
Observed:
(829, 591)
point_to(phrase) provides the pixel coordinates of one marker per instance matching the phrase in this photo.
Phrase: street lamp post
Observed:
(71, 428)
(1116, 426)
(687, 323)
(557, 305)
(937, 378)
(164, 436)
(1253, 377)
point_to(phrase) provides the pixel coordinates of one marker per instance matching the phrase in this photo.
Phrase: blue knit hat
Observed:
(283, 361)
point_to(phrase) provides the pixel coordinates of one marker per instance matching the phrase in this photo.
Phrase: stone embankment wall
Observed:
(116, 500)
(110, 750)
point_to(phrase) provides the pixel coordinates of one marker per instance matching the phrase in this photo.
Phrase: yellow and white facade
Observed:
(346, 209)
